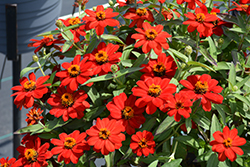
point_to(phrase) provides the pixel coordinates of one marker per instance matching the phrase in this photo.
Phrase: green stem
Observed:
(197, 45)
(39, 65)
(54, 60)
(80, 8)
(172, 155)
(203, 133)
(74, 43)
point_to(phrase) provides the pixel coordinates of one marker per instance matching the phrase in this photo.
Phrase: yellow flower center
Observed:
(31, 155)
(100, 15)
(213, 13)
(203, 1)
(200, 17)
(29, 85)
(67, 99)
(74, 21)
(141, 11)
(159, 69)
(69, 142)
(151, 34)
(179, 105)
(201, 88)
(244, 6)
(228, 142)
(5, 165)
(104, 133)
(143, 143)
(49, 37)
(74, 70)
(128, 112)
(154, 90)
(101, 57)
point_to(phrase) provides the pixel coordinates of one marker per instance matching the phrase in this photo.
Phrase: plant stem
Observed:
(39, 65)
(197, 44)
(74, 43)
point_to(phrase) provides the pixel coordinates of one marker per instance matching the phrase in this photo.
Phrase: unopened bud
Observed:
(188, 50)
(94, 8)
(114, 68)
(235, 88)
(35, 58)
(183, 65)
(220, 41)
(111, 3)
(59, 23)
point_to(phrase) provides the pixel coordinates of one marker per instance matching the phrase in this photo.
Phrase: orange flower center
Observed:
(100, 15)
(49, 37)
(213, 13)
(104, 133)
(31, 155)
(5, 165)
(201, 88)
(203, 1)
(200, 17)
(151, 34)
(101, 57)
(228, 142)
(29, 85)
(74, 21)
(128, 112)
(74, 70)
(67, 99)
(69, 142)
(143, 143)
(244, 6)
(141, 11)
(159, 69)
(179, 105)
(154, 90)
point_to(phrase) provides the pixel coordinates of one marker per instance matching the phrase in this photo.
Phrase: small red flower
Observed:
(75, 73)
(124, 109)
(100, 18)
(168, 14)
(7, 162)
(153, 92)
(151, 38)
(200, 20)
(138, 16)
(70, 147)
(127, 2)
(33, 154)
(204, 88)
(30, 90)
(34, 116)
(142, 143)
(164, 67)
(67, 103)
(106, 135)
(227, 144)
(242, 7)
(103, 57)
(191, 3)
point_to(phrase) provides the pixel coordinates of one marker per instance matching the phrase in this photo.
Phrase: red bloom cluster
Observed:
(7, 162)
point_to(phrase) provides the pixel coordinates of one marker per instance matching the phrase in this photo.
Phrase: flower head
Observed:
(142, 143)
(7, 162)
(191, 3)
(227, 144)
(242, 6)
(70, 147)
(34, 116)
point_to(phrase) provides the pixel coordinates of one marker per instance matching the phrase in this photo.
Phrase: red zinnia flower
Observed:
(70, 147)
(204, 88)
(151, 38)
(178, 105)
(242, 6)
(77, 32)
(153, 92)
(168, 14)
(106, 135)
(29, 90)
(67, 103)
(103, 57)
(47, 41)
(201, 21)
(138, 16)
(7, 162)
(227, 144)
(142, 143)
(125, 110)
(191, 3)
(34, 116)
(161, 1)
(164, 67)
(76, 72)
(33, 154)
(100, 19)
(127, 2)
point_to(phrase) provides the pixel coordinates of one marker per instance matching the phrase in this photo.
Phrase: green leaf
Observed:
(149, 124)
(94, 95)
(166, 124)
(222, 66)
(180, 55)
(66, 46)
(173, 163)
(28, 129)
(154, 164)
(93, 44)
(67, 35)
(126, 52)
(111, 38)
(241, 83)
(47, 135)
(188, 140)
(238, 29)
(205, 156)
(205, 53)
(198, 64)
(56, 123)
(232, 76)
(227, 18)
(215, 126)
(201, 120)
(242, 98)
(212, 161)
(212, 48)
(188, 124)
(126, 71)
(27, 69)
(221, 112)
(93, 112)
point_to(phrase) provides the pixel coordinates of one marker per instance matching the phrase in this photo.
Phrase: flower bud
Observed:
(114, 68)
(235, 88)
(188, 50)
(220, 41)
(35, 58)
(59, 23)
(94, 8)
(111, 3)
(183, 65)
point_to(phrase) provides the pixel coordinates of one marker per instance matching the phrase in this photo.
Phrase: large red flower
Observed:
(151, 38)
(75, 73)
(70, 147)
(33, 154)
(106, 135)
(227, 144)
(29, 90)
(200, 20)
(67, 103)
(103, 57)
(142, 143)
(7, 162)
(124, 109)
(153, 92)
(178, 105)
(138, 16)
(100, 18)
(164, 67)
(204, 88)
